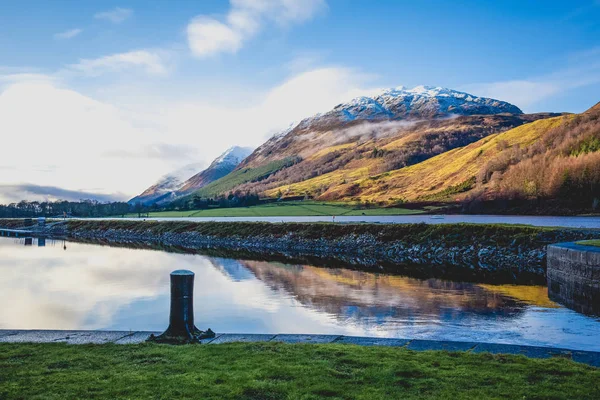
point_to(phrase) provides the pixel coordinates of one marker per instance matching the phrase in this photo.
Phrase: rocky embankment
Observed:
(495, 252)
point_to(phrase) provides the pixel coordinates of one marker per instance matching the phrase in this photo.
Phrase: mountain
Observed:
(399, 107)
(427, 145)
(220, 167)
(367, 136)
(162, 190)
(179, 183)
(547, 160)
(420, 102)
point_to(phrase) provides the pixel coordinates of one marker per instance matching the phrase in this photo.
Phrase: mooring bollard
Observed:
(181, 317)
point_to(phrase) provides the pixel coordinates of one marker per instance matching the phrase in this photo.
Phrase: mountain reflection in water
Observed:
(101, 287)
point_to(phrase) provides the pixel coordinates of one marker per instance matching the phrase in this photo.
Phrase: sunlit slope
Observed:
(452, 168)
(432, 176)
(379, 148)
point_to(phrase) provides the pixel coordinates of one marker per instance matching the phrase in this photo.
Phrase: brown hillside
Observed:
(359, 149)
(555, 158)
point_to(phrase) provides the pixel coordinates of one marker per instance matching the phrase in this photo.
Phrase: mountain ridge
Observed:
(191, 177)
(161, 190)
(420, 145)
(221, 166)
(394, 104)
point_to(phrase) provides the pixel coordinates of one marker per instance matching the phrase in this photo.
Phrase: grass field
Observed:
(282, 371)
(296, 208)
(595, 243)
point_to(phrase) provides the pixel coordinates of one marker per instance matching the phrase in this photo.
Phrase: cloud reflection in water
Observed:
(101, 287)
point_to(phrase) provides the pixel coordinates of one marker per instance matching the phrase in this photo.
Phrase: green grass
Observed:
(280, 371)
(451, 190)
(292, 208)
(236, 178)
(595, 243)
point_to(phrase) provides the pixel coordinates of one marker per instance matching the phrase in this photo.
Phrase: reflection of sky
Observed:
(95, 287)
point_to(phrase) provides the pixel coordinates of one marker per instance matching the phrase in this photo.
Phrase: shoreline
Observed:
(493, 253)
(99, 337)
(489, 253)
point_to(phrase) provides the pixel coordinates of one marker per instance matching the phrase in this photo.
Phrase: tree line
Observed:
(83, 208)
(93, 208)
(233, 199)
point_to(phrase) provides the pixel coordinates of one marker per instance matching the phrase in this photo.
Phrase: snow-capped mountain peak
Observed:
(220, 167)
(233, 155)
(420, 102)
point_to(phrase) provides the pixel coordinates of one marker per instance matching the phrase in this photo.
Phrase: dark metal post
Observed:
(181, 318)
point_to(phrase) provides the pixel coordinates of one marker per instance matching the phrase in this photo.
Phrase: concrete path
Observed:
(120, 337)
(535, 220)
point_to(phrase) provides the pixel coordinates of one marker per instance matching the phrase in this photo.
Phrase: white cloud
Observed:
(208, 36)
(250, 125)
(71, 33)
(82, 144)
(60, 137)
(116, 15)
(152, 62)
(14, 77)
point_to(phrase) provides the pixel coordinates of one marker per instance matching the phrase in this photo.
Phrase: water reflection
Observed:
(100, 287)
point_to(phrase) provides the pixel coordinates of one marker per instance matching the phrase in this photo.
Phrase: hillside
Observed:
(424, 145)
(387, 149)
(367, 136)
(547, 159)
(233, 181)
(220, 167)
(187, 179)
(383, 114)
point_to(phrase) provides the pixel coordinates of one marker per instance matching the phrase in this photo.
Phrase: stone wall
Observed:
(574, 276)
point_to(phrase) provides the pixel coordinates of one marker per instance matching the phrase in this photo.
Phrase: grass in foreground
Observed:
(595, 243)
(279, 371)
(288, 209)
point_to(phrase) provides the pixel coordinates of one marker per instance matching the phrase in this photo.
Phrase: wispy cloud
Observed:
(71, 33)
(582, 70)
(209, 36)
(152, 62)
(116, 15)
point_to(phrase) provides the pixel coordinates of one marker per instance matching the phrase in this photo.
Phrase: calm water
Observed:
(97, 287)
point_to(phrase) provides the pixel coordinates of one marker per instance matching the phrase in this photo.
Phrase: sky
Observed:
(101, 98)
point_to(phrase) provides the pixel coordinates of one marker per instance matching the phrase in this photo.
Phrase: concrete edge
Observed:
(134, 337)
(575, 246)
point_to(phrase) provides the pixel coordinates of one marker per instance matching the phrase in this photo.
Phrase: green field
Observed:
(282, 371)
(295, 208)
(595, 243)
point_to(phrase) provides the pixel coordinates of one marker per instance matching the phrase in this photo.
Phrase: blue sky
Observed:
(175, 82)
